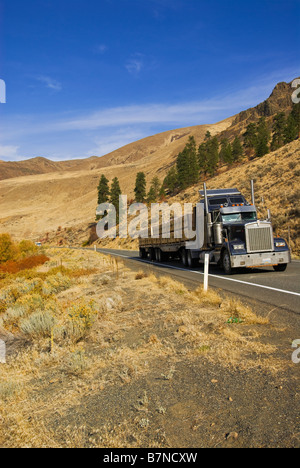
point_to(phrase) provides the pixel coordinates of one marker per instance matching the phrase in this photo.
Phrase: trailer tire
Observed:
(152, 254)
(190, 260)
(143, 253)
(183, 256)
(158, 255)
(226, 264)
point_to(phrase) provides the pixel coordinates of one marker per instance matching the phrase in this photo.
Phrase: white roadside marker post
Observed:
(206, 269)
(2, 352)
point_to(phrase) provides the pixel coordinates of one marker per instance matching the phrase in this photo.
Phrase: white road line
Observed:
(210, 275)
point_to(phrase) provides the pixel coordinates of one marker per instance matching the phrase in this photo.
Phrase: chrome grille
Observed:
(259, 239)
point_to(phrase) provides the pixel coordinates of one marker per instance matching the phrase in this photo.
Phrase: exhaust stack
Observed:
(205, 198)
(208, 217)
(252, 192)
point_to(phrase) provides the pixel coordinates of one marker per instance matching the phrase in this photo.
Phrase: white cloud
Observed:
(113, 141)
(101, 48)
(10, 152)
(135, 64)
(100, 131)
(184, 114)
(50, 82)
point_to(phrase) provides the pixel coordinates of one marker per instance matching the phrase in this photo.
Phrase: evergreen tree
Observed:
(292, 128)
(140, 187)
(237, 149)
(207, 135)
(187, 165)
(278, 128)
(103, 190)
(170, 183)
(203, 158)
(296, 117)
(115, 192)
(208, 155)
(162, 193)
(225, 154)
(193, 161)
(263, 138)
(212, 155)
(182, 169)
(250, 137)
(154, 190)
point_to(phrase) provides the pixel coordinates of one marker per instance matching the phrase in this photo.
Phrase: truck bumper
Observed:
(263, 259)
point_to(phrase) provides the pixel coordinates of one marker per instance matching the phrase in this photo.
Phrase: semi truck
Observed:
(226, 227)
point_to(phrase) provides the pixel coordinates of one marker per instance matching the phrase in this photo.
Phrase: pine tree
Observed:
(103, 190)
(182, 169)
(292, 128)
(225, 154)
(170, 183)
(263, 138)
(250, 138)
(296, 116)
(237, 149)
(162, 193)
(193, 172)
(203, 158)
(115, 192)
(207, 135)
(140, 187)
(213, 155)
(154, 190)
(187, 165)
(279, 124)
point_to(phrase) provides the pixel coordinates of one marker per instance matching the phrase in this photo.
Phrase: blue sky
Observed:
(86, 77)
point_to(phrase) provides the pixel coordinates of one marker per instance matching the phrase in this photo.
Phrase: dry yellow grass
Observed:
(140, 328)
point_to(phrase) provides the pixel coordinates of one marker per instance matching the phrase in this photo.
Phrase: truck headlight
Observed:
(239, 247)
(280, 244)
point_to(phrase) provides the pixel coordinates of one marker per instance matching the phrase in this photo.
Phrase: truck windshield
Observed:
(239, 217)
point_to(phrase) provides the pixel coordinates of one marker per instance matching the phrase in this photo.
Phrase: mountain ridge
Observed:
(279, 100)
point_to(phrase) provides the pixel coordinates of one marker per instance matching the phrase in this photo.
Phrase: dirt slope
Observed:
(33, 204)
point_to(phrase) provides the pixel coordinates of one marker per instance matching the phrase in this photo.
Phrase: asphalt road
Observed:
(278, 289)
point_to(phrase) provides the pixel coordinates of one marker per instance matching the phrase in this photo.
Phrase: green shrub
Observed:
(38, 325)
(27, 248)
(8, 389)
(8, 250)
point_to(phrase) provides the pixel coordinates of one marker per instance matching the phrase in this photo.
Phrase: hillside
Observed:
(277, 181)
(68, 195)
(164, 145)
(39, 196)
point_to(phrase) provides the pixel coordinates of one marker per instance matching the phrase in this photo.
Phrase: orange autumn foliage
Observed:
(13, 266)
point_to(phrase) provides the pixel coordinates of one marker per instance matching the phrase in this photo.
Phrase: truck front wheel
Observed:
(280, 267)
(226, 264)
